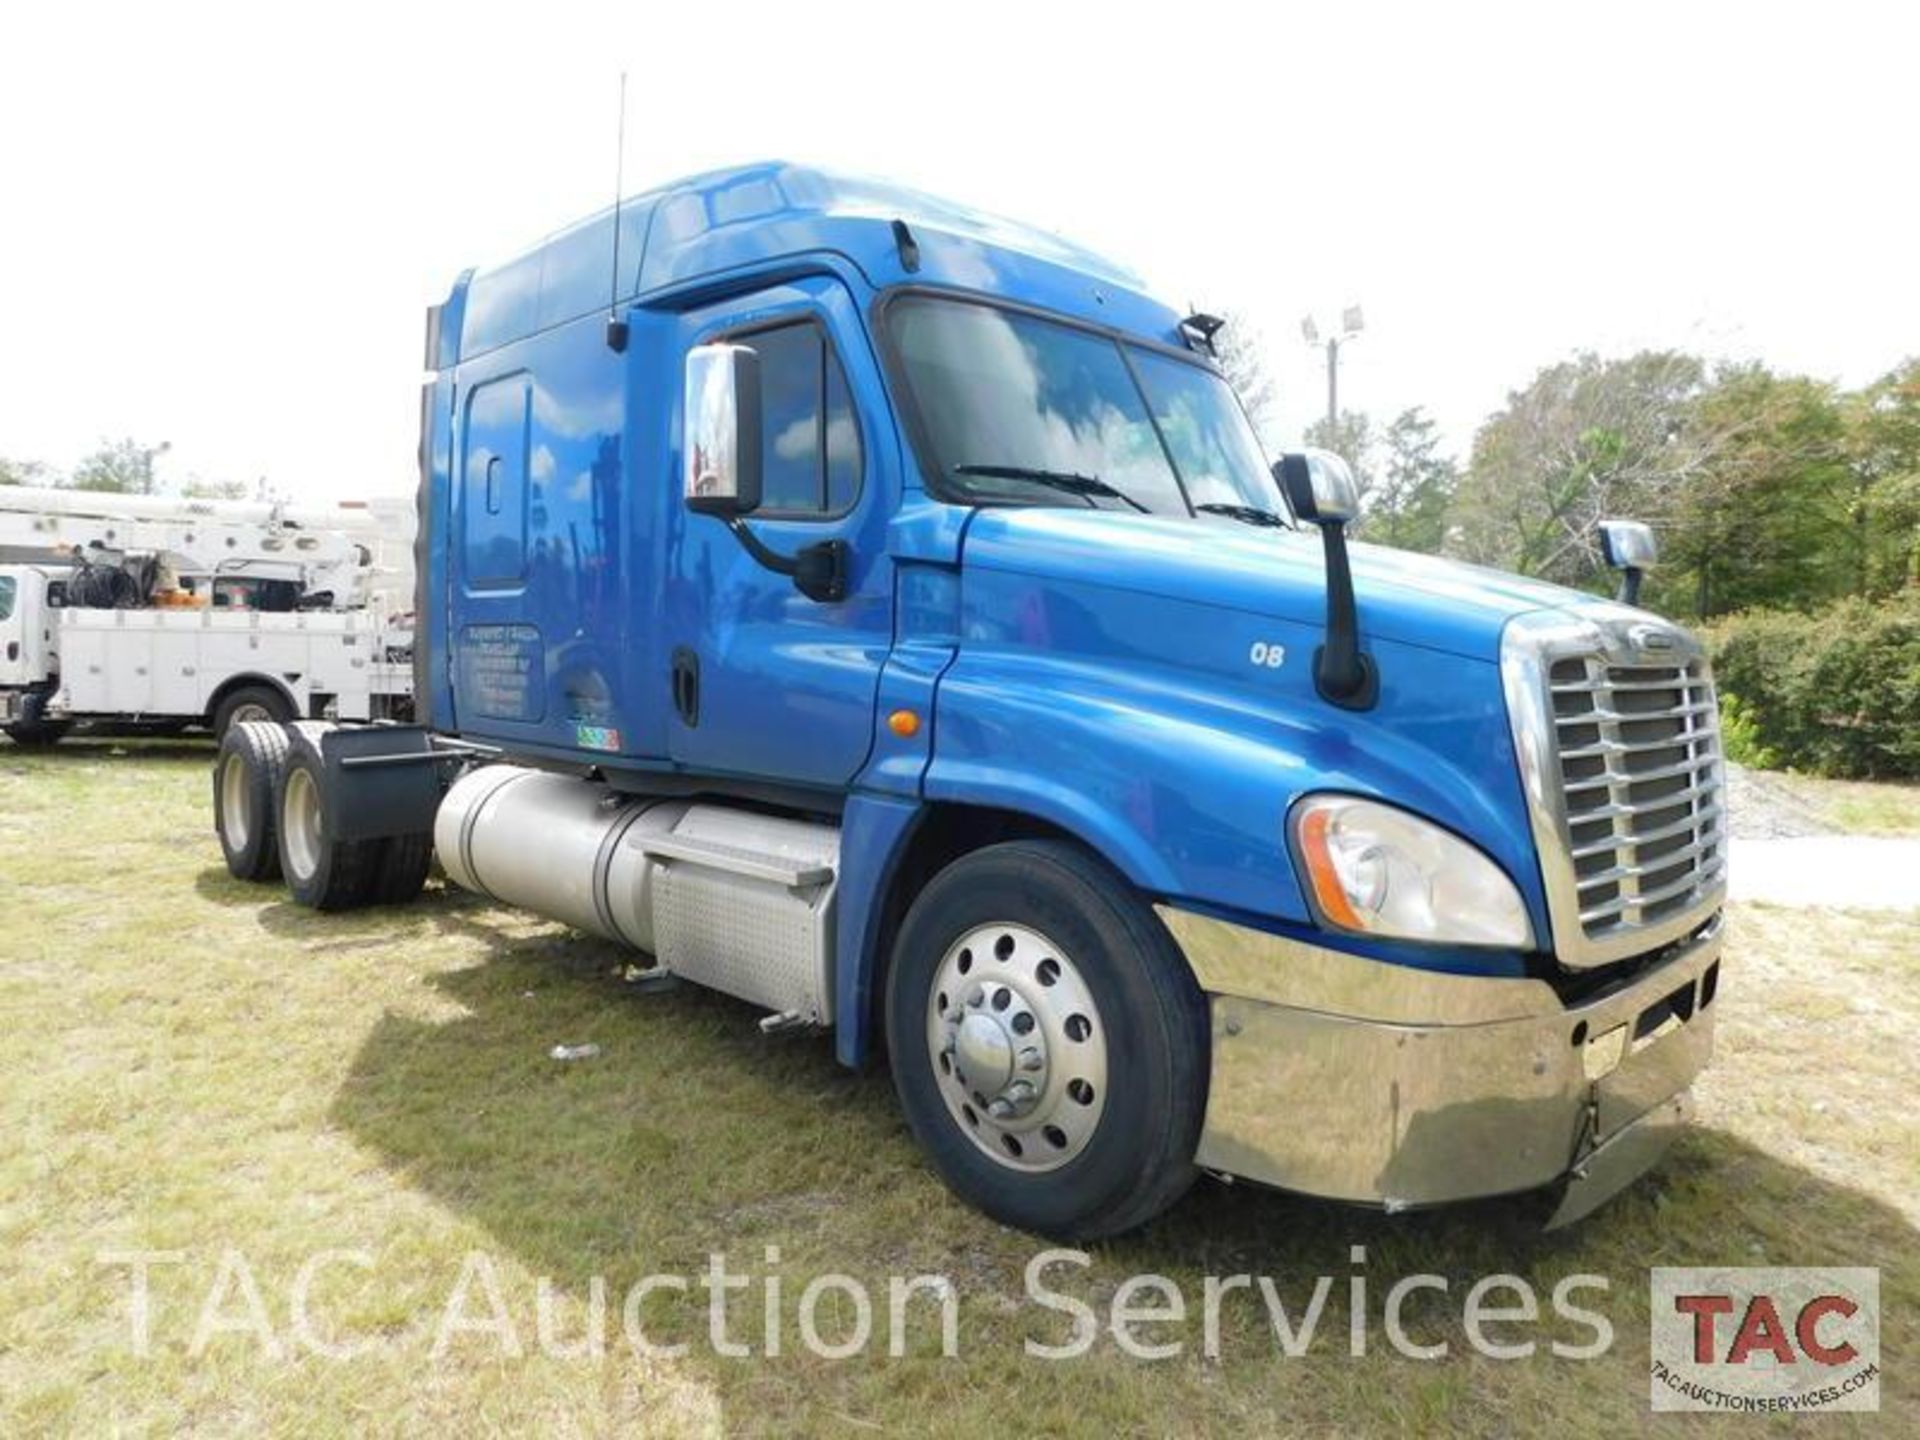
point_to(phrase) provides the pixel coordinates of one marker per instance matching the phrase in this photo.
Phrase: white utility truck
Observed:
(173, 613)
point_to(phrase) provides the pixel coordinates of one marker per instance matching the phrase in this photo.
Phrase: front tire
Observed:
(33, 729)
(1048, 1041)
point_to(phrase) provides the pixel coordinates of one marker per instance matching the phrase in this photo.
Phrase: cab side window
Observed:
(809, 441)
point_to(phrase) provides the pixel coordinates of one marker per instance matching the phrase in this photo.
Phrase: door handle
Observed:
(686, 686)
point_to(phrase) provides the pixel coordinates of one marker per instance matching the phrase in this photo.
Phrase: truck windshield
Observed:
(1018, 408)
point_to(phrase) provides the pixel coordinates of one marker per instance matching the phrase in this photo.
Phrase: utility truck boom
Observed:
(174, 611)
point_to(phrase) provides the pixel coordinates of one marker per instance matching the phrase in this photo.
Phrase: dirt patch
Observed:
(1761, 808)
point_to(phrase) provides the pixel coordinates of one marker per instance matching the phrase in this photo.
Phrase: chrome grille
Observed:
(1617, 733)
(1639, 750)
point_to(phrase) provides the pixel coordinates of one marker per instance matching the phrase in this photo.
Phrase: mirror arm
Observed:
(756, 547)
(1342, 672)
(1630, 584)
(818, 571)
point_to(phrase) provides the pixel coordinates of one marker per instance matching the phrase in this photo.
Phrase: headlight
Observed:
(1375, 870)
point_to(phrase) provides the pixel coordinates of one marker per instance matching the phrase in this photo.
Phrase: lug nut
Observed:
(1030, 1058)
(1001, 1109)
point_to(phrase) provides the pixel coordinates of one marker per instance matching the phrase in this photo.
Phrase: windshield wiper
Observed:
(1246, 514)
(1066, 481)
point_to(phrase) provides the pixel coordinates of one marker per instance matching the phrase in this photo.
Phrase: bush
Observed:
(1740, 736)
(1835, 693)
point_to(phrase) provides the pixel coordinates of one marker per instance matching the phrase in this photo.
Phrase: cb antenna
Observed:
(616, 327)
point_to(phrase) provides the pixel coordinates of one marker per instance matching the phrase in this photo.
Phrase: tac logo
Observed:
(1766, 1340)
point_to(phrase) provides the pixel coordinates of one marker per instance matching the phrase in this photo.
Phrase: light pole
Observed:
(147, 457)
(1351, 324)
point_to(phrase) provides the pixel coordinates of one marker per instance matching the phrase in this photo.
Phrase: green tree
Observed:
(1589, 438)
(1883, 513)
(1352, 438)
(195, 488)
(123, 466)
(1415, 486)
(1757, 524)
(1241, 351)
(23, 472)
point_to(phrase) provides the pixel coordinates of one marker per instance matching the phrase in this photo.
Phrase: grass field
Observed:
(194, 1065)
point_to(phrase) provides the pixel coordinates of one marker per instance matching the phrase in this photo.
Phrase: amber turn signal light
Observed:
(1327, 888)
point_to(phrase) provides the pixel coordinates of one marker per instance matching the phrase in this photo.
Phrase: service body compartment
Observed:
(172, 662)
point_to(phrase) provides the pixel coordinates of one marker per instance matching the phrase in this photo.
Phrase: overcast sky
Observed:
(221, 228)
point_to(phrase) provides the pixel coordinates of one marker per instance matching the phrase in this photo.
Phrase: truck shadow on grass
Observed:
(377, 927)
(691, 1133)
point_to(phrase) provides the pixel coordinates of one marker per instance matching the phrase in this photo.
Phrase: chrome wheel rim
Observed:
(300, 821)
(236, 817)
(1019, 1048)
(252, 710)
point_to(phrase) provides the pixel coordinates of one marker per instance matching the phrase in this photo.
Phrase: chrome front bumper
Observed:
(1357, 1080)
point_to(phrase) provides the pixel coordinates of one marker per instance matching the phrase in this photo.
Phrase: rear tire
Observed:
(246, 786)
(321, 872)
(400, 872)
(1048, 1041)
(256, 703)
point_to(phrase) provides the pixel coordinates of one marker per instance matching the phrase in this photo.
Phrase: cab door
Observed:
(764, 682)
(22, 627)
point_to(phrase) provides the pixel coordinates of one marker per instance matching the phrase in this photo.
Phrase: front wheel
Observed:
(33, 728)
(1048, 1041)
(32, 736)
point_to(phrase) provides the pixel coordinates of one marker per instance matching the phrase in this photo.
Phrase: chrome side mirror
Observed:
(1629, 544)
(722, 436)
(1319, 486)
(1631, 549)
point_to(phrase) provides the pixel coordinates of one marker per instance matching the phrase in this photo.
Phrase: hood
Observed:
(1414, 599)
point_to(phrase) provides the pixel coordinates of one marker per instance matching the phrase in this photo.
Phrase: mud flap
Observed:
(1622, 1158)
(383, 780)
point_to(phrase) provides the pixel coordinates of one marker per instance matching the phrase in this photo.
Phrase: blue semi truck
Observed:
(884, 613)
